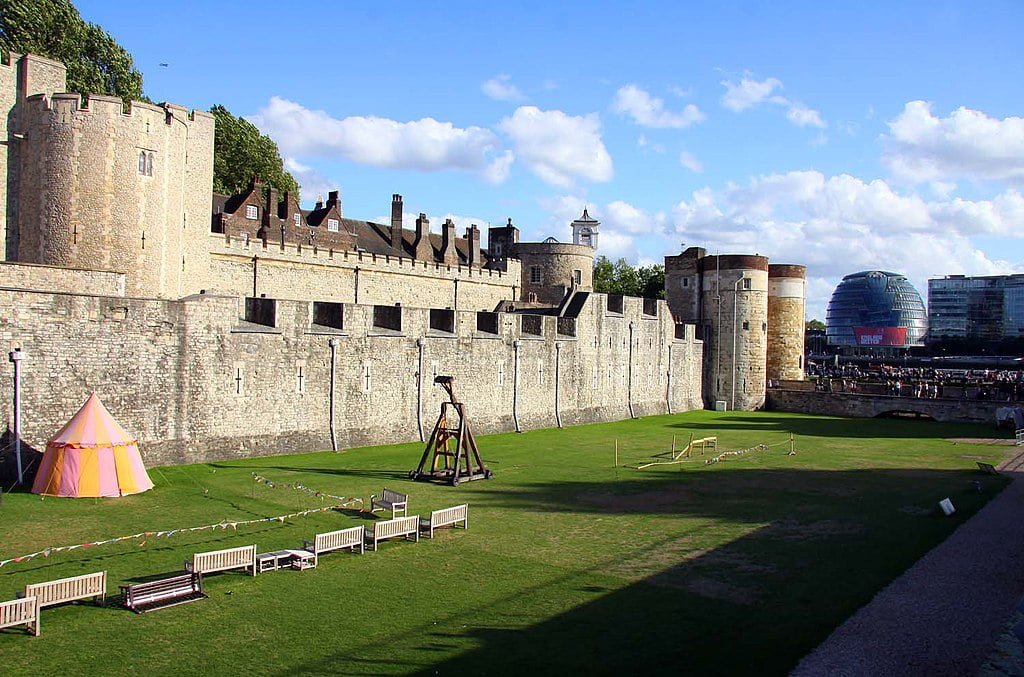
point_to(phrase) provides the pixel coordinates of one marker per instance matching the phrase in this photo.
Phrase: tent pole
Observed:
(16, 356)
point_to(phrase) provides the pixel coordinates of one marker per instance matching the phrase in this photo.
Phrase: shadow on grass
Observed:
(807, 426)
(798, 553)
(341, 472)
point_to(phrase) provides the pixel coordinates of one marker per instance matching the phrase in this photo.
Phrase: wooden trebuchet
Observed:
(451, 454)
(21, 612)
(448, 517)
(222, 560)
(163, 593)
(408, 527)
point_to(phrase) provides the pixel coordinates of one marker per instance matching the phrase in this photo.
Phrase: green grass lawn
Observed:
(570, 565)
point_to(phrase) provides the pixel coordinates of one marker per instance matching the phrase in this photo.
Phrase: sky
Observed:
(841, 136)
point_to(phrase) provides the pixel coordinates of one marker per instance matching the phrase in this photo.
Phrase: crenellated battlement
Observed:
(73, 102)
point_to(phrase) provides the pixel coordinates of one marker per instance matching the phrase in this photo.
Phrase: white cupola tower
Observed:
(584, 230)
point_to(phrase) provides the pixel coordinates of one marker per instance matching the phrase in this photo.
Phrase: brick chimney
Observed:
(473, 245)
(397, 210)
(333, 198)
(424, 251)
(449, 254)
(271, 208)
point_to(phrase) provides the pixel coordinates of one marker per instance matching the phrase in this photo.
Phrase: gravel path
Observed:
(944, 615)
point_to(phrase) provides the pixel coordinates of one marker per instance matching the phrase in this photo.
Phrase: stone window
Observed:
(142, 163)
(746, 283)
(686, 282)
(746, 325)
(300, 377)
(149, 164)
(367, 378)
(577, 277)
(238, 378)
(145, 163)
(501, 373)
(332, 225)
(535, 276)
(298, 219)
(252, 212)
(496, 249)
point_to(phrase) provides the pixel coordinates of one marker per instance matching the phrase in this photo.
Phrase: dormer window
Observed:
(252, 212)
(332, 225)
(298, 219)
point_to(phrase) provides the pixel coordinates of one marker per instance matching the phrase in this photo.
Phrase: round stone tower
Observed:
(734, 314)
(552, 268)
(115, 187)
(786, 300)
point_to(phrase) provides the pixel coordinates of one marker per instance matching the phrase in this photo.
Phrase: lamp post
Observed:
(16, 356)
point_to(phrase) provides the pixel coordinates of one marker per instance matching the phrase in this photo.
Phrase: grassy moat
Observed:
(570, 565)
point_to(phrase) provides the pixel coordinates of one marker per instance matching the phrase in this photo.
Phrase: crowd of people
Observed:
(1002, 385)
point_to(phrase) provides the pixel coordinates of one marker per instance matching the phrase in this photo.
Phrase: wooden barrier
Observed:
(446, 518)
(21, 612)
(222, 560)
(69, 589)
(337, 540)
(393, 528)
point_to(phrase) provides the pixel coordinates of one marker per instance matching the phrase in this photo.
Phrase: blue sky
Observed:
(844, 136)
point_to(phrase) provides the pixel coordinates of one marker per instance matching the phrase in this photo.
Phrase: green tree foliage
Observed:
(815, 325)
(96, 63)
(240, 152)
(622, 278)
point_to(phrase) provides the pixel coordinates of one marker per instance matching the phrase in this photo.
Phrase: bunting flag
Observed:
(345, 502)
(224, 524)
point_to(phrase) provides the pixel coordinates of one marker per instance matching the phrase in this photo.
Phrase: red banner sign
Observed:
(881, 336)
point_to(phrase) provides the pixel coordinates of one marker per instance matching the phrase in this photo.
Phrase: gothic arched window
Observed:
(142, 163)
(149, 164)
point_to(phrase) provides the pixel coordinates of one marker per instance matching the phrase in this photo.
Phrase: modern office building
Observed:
(876, 313)
(976, 314)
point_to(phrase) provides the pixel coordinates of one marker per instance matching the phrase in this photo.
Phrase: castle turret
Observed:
(584, 230)
(786, 300)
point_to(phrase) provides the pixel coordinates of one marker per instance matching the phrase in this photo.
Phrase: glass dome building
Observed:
(876, 311)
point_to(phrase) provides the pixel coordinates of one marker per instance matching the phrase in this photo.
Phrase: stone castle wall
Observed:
(20, 76)
(786, 301)
(60, 280)
(85, 202)
(195, 382)
(312, 274)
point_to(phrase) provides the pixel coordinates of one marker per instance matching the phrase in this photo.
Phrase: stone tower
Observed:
(584, 230)
(786, 300)
(727, 298)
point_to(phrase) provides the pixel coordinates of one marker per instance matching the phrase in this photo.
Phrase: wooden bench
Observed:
(162, 593)
(222, 560)
(337, 540)
(390, 500)
(393, 528)
(21, 612)
(69, 589)
(448, 517)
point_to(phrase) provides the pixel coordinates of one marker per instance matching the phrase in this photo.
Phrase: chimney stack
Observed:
(334, 199)
(473, 245)
(424, 250)
(397, 210)
(271, 208)
(449, 254)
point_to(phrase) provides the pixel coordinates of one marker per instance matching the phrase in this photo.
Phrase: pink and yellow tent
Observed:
(91, 456)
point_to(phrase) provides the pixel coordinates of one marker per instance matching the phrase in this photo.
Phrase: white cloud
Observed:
(499, 169)
(643, 142)
(690, 161)
(748, 92)
(680, 92)
(841, 224)
(558, 147)
(802, 116)
(969, 144)
(425, 145)
(500, 88)
(649, 111)
(550, 85)
(311, 182)
(619, 215)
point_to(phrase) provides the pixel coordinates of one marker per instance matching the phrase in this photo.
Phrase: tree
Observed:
(622, 278)
(95, 62)
(815, 325)
(240, 152)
